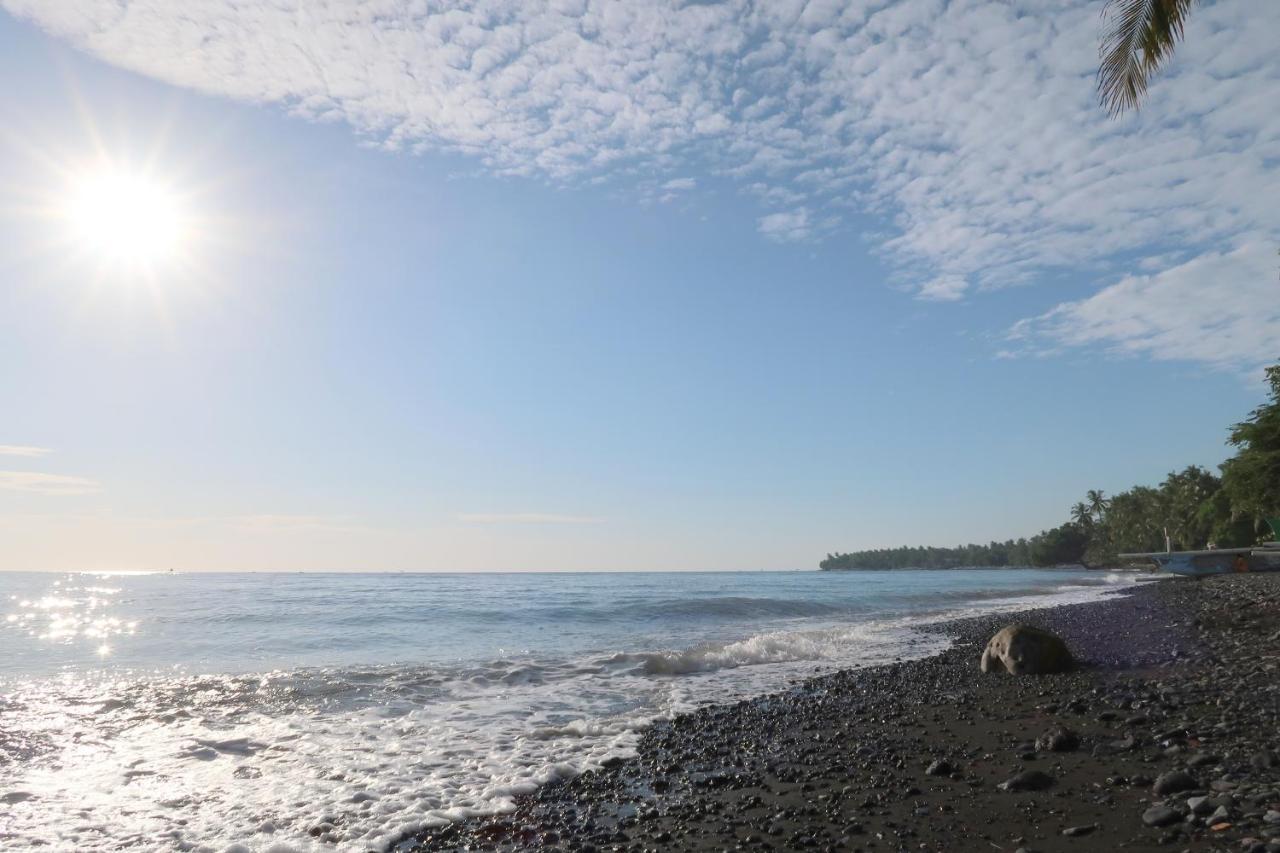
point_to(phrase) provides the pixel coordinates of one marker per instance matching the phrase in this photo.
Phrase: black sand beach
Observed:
(1166, 738)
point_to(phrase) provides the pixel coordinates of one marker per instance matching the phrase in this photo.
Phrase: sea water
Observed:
(296, 712)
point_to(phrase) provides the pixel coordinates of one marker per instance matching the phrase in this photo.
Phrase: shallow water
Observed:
(175, 711)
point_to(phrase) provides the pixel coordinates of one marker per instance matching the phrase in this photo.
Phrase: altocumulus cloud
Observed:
(970, 127)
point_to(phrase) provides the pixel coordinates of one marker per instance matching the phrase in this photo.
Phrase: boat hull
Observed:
(1204, 564)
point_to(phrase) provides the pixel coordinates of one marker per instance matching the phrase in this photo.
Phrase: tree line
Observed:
(1195, 508)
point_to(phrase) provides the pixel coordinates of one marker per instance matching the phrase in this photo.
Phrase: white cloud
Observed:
(46, 484)
(1221, 309)
(278, 522)
(970, 127)
(525, 518)
(680, 184)
(791, 226)
(23, 450)
(944, 288)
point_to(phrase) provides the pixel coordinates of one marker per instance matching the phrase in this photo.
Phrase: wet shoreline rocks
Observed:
(1166, 736)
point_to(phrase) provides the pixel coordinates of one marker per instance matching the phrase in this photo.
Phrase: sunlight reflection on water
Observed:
(72, 612)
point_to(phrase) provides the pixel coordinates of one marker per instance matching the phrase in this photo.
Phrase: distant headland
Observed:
(1193, 508)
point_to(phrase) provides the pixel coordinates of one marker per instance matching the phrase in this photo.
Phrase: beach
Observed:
(1164, 738)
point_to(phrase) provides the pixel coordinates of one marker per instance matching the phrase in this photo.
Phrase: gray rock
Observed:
(1203, 759)
(1058, 740)
(940, 767)
(1077, 831)
(1027, 780)
(1199, 805)
(1024, 650)
(1173, 782)
(1160, 816)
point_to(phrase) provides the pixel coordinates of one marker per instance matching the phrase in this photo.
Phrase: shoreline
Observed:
(910, 755)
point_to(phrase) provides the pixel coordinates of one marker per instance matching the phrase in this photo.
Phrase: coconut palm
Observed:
(1140, 39)
(1082, 515)
(1098, 502)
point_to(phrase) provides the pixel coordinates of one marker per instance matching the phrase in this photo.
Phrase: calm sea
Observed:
(205, 711)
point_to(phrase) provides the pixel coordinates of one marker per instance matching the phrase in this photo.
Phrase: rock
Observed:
(1199, 805)
(1160, 816)
(1203, 759)
(1077, 831)
(1058, 740)
(1024, 650)
(1173, 782)
(1027, 780)
(940, 767)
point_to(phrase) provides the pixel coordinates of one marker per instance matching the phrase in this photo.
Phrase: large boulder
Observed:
(1024, 650)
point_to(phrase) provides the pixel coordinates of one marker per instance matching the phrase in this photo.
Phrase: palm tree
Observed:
(1082, 515)
(1098, 502)
(1141, 38)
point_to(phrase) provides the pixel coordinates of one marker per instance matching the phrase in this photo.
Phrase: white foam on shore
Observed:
(356, 759)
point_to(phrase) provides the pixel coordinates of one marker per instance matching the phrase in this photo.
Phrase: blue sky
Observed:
(632, 286)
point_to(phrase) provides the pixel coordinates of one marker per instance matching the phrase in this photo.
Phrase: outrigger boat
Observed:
(1217, 561)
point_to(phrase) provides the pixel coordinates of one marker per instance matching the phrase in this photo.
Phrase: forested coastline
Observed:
(1195, 508)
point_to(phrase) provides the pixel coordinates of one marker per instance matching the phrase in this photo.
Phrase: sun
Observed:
(126, 220)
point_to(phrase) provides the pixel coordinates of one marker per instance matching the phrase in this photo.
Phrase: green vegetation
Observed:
(1139, 41)
(1193, 507)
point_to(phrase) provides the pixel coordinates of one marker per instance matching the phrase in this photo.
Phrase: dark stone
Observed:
(1058, 740)
(1173, 782)
(1027, 780)
(1077, 831)
(1161, 816)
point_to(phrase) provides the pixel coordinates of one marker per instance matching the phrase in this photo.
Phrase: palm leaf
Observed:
(1140, 39)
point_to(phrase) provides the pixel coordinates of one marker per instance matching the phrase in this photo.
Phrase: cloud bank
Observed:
(23, 450)
(46, 484)
(525, 518)
(970, 128)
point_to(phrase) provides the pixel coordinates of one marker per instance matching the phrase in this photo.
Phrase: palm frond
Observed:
(1141, 38)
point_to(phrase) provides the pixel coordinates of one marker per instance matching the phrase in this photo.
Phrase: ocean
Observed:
(295, 712)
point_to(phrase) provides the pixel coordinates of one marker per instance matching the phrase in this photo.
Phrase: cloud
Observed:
(944, 288)
(969, 128)
(278, 522)
(46, 484)
(1220, 309)
(22, 450)
(525, 518)
(791, 226)
(680, 184)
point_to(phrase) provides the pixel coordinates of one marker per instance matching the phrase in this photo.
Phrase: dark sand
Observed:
(1179, 676)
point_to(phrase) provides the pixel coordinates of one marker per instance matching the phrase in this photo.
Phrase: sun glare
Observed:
(126, 220)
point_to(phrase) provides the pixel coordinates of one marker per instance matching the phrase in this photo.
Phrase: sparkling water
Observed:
(293, 712)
